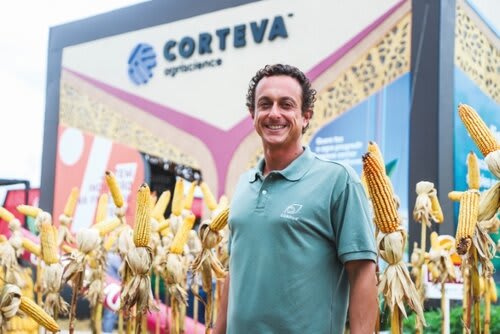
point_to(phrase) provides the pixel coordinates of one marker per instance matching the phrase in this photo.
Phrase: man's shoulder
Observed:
(336, 167)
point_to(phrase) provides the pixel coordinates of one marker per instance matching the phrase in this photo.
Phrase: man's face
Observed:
(278, 115)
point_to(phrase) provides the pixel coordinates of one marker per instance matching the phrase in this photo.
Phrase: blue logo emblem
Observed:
(141, 62)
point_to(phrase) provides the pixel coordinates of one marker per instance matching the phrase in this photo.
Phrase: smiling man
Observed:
(302, 242)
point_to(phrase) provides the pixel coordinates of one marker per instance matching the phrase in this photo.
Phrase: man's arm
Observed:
(221, 321)
(363, 299)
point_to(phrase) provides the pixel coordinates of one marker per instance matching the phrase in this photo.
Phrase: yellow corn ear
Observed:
(208, 197)
(377, 154)
(163, 225)
(380, 189)
(161, 205)
(434, 240)
(165, 230)
(31, 247)
(114, 188)
(30, 308)
(188, 200)
(69, 209)
(6, 214)
(455, 195)
(178, 197)
(467, 220)
(142, 227)
(493, 290)
(220, 221)
(479, 132)
(102, 208)
(223, 202)
(48, 239)
(67, 249)
(473, 174)
(436, 210)
(110, 241)
(28, 210)
(182, 234)
(108, 225)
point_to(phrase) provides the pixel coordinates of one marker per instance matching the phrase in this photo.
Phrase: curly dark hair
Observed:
(308, 93)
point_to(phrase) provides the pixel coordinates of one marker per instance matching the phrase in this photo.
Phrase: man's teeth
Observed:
(275, 127)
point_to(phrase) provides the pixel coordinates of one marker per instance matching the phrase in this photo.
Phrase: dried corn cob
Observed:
(6, 215)
(69, 209)
(473, 175)
(142, 228)
(467, 220)
(220, 221)
(493, 290)
(163, 225)
(110, 241)
(28, 210)
(102, 206)
(29, 307)
(178, 197)
(377, 154)
(114, 188)
(48, 239)
(436, 210)
(31, 247)
(386, 215)
(455, 195)
(188, 200)
(108, 225)
(181, 237)
(223, 202)
(161, 205)
(479, 132)
(208, 197)
(67, 249)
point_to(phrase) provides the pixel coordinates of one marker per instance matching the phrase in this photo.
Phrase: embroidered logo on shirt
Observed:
(291, 211)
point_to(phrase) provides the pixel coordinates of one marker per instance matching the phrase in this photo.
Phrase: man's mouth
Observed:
(276, 127)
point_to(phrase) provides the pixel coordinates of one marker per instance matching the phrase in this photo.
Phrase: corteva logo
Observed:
(204, 50)
(141, 62)
(291, 211)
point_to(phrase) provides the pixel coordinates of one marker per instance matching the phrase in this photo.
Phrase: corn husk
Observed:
(8, 262)
(489, 202)
(209, 240)
(10, 300)
(485, 247)
(493, 162)
(54, 304)
(137, 290)
(395, 282)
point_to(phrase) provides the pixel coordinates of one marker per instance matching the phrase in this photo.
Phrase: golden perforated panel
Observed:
(476, 54)
(83, 111)
(379, 66)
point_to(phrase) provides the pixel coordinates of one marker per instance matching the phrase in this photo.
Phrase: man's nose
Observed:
(274, 110)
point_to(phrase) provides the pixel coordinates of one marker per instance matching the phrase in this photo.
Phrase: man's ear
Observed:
(307, 115)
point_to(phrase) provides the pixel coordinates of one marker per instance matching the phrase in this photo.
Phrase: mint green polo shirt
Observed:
(291, 233)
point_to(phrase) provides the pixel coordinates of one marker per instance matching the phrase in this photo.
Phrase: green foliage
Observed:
(433, 319)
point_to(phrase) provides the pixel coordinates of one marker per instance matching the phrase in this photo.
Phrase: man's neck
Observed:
(280, 158)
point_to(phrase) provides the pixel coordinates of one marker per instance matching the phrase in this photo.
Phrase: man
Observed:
(302, 243)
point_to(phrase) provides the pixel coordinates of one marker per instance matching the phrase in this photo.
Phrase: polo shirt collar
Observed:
(292, 172)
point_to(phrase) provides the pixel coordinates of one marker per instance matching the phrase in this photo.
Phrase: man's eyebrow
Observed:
(263, 98)
(288, 99)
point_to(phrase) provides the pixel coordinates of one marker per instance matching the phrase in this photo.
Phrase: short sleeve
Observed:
(354, 230)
